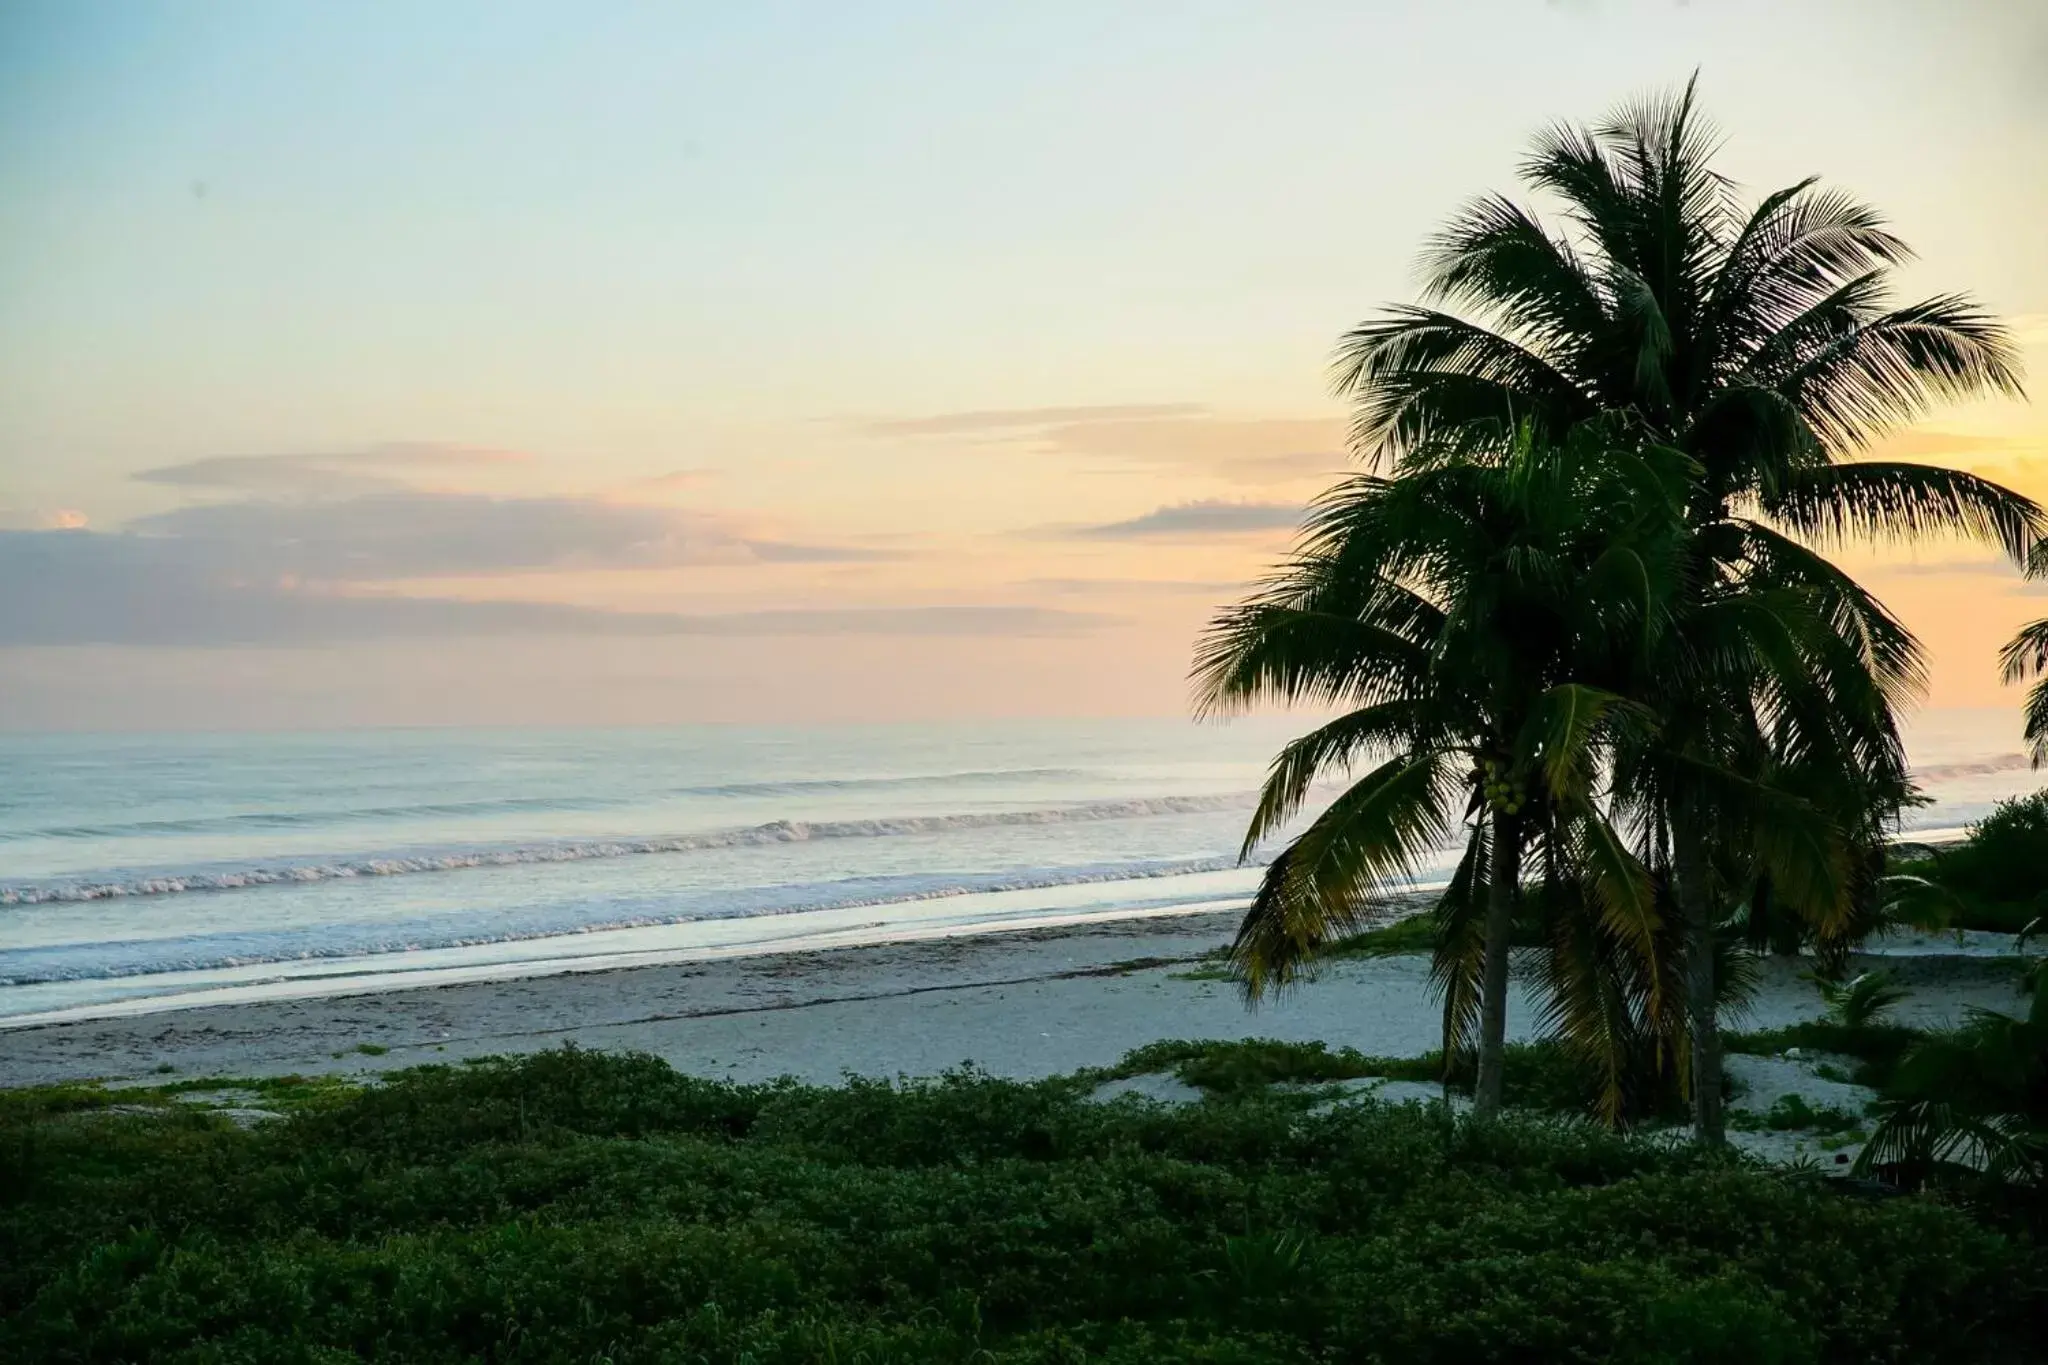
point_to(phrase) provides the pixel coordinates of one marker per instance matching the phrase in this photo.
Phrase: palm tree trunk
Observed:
(1504, 878)
(1696, 906)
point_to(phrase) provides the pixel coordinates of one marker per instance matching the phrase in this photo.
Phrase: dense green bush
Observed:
(1997, 878)
(584, 1207)
(2006, 857)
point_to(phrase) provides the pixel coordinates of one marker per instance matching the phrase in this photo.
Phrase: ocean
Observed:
(140, 872)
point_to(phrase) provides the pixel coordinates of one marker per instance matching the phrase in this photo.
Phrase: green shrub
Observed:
(2006, 857)
(577, 1206)
(1996, 879)
(1412, 934)
(1227, 1068)
(1792, 1114)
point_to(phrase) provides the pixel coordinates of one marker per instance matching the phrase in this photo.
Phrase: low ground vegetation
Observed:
(585, 1207)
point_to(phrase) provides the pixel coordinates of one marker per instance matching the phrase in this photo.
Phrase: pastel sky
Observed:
(563, 363)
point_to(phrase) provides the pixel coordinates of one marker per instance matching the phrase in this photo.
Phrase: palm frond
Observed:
(1880, 372)
(2026, 654)
(1406, 724)
(1797, 248)
(2036, 723)
(1802, 851)
(1862, 1000)
(1623, 891)
(1648, 335)
(1894, 501)
(1418, 373)
(1270, 651)
(1563, 727)
(1370, 838)
(1457, 956)
(1843, 609)
(1495, 257)
(1591, 998)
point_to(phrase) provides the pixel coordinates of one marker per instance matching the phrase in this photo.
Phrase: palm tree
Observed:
(1762, 782)
(1464, 613)
(1970, 1106)
(2026, 657)
(1761, 343)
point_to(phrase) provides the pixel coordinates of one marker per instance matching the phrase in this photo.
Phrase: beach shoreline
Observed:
(1023, 1003)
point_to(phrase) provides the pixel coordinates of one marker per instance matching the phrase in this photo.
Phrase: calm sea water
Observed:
(143, 871)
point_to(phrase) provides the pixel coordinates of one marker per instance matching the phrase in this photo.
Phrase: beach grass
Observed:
(581, 1206)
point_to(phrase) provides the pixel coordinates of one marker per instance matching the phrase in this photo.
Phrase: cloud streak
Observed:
(1255, 452)
(1132, 587)
(1194, 520)
(92, 588)
(1013, 420)
(325, 473)
(390, 534)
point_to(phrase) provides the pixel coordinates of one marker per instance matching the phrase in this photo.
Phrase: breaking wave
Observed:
(514, 805)
(2003, 763)
(256, 947)
(453, 859)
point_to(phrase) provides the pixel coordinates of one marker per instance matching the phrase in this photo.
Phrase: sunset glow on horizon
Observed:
(557, 365)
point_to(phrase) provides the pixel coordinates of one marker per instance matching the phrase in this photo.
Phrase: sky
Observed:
(521, 363)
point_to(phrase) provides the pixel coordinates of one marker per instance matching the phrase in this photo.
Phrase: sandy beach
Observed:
(1019, 1004)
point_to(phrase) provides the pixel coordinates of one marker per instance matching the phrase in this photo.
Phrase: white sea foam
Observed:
(209, 952)
(166, 883)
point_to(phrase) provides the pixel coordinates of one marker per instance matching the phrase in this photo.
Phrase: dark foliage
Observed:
(1997, 879)
(584, 1207)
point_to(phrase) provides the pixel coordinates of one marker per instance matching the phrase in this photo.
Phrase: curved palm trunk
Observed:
(1504, 878)
(1696, 907)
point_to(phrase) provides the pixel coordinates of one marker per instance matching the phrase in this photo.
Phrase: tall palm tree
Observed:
(1761, 343)
(1464, 613)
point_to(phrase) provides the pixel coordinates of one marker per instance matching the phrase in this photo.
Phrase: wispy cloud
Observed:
(1130, 587)
(1198, 519)
(673, 480)
(1012, 420)
(946, 620)
(328, 472)
(400, 533)
(92, 588)
(1253, 451)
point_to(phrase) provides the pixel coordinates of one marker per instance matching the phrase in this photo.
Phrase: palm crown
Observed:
(1466, 615)
(1761, 343)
